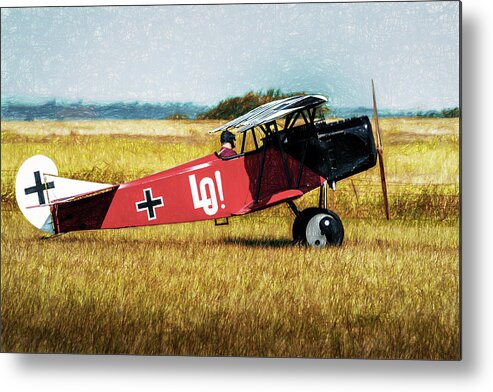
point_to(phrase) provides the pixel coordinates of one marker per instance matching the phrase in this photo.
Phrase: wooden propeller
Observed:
(380, 153)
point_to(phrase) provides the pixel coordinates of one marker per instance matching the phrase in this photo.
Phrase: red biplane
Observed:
(294, 152)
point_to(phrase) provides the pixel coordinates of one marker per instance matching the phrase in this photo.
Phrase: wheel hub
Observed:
(317, 229)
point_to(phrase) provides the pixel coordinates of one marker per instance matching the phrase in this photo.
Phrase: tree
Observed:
(233, 107)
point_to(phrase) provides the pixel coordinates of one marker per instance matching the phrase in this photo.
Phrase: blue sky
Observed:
(203, 54)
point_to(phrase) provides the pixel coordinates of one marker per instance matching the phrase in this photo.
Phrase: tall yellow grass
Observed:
(391, 290)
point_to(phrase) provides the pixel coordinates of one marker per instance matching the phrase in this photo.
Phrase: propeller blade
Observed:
(384, 184)
(380, 153)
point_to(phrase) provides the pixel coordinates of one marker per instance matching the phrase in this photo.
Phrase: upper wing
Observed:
(272, 111)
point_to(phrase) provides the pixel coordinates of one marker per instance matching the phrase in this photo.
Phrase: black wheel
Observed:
(318, 227)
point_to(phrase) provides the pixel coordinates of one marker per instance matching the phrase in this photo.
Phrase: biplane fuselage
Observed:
(206, 188)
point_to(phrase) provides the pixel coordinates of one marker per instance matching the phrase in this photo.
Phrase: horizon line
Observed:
(84, 101)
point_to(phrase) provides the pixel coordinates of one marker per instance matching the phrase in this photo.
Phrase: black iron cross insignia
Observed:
(149, 204)
(39, 188)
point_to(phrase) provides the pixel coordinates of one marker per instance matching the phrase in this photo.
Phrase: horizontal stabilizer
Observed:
(37, 186)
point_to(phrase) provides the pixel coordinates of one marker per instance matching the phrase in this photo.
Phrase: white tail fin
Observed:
(37, 185)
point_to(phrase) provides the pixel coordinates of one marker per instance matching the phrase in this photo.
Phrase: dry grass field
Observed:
(391, 290)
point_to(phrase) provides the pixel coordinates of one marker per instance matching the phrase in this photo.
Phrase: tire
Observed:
(318, 227)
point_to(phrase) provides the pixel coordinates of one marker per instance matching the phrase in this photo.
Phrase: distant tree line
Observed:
(233, 107)
(226, 109)
(59, 110)
(445, 113)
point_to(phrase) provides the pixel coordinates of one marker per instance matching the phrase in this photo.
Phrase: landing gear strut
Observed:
(317, 227)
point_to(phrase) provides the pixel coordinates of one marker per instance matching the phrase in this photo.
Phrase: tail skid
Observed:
(37, 186)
